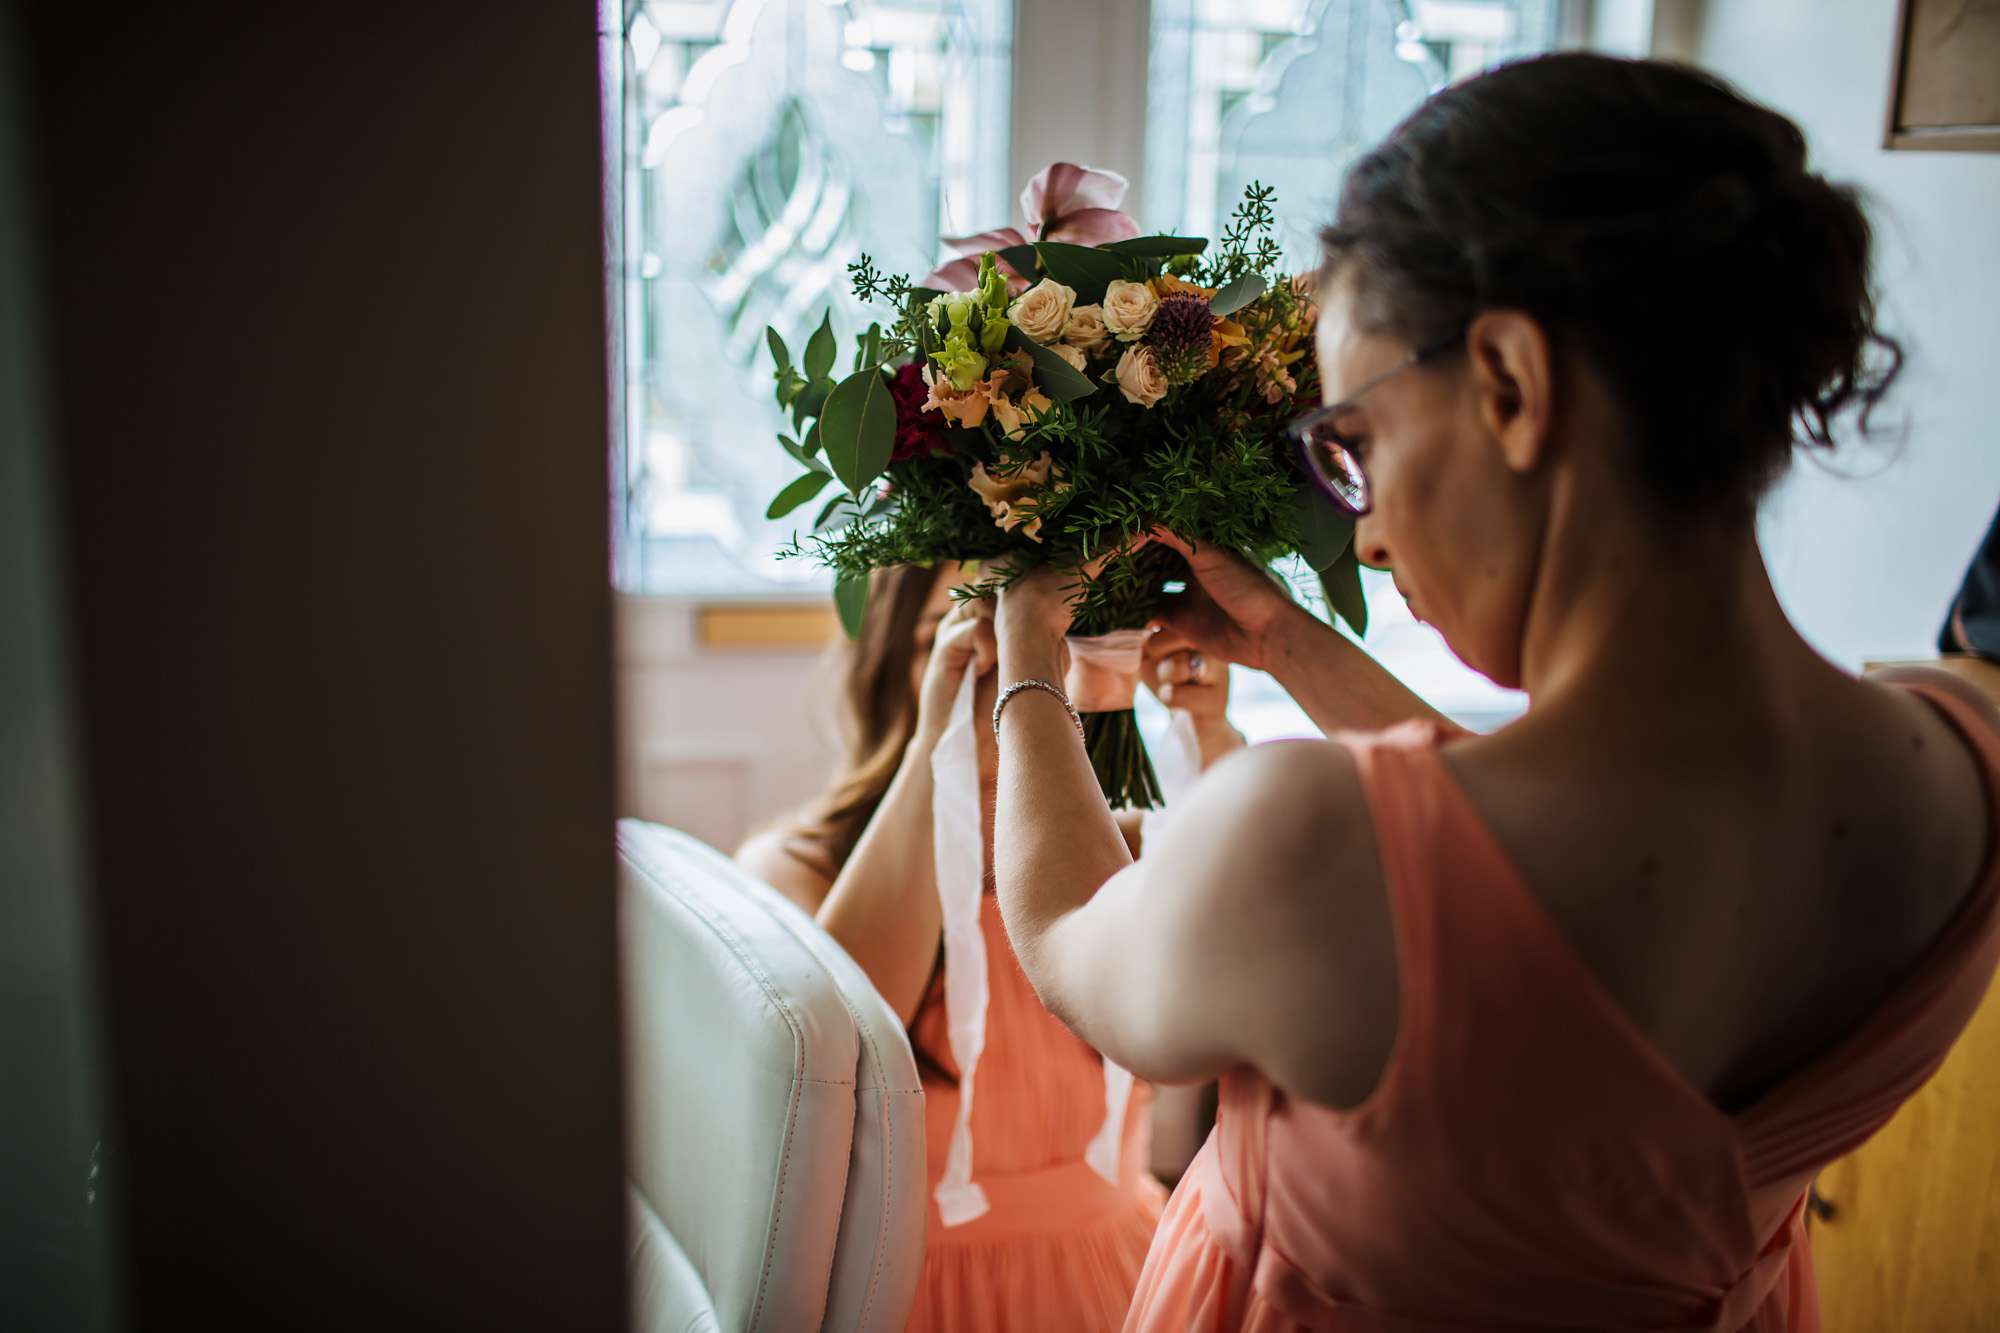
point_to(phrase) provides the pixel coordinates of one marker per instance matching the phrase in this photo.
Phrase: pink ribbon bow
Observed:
(1066, 202)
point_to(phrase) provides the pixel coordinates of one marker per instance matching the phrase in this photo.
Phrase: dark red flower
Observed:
(918, 433)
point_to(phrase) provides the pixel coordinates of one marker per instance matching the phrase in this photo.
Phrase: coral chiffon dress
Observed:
(1060, 1241)
(1529, 1159)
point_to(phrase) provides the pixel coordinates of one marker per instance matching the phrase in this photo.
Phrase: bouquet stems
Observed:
(1129, 592)
(1118, 757)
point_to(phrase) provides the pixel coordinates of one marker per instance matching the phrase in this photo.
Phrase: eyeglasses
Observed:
(1330, 458)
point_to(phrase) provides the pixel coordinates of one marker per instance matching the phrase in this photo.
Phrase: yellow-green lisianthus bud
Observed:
(960, 362)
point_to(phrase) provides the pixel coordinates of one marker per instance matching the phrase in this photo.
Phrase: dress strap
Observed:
(1834, 1103)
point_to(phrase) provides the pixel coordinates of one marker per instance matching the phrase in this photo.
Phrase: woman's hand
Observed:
(1040, 604)
(1190, 681)
(1032, 615)
(964, 642)
(1231, 609)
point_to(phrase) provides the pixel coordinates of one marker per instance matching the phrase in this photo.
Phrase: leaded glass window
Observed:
(1289, 92)
(768, 143)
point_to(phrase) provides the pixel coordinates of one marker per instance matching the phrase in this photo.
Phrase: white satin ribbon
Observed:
(1177, 765)
(960, 863)
(1104, 1149)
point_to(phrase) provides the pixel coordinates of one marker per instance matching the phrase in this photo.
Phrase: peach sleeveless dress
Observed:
(1529, 1160)
(1060, 1246)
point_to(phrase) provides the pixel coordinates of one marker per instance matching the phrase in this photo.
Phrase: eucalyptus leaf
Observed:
(806, 460)
(1342, 585)
(811, 401)
(1238, 293)
(1085, 268)
(789, 385)
(801, 490)
(858, 428)
(832, 506)
(1158, 247)
(850, 599)
(1324, 532)
(869, 351)
(819, 349)
(1054, 376)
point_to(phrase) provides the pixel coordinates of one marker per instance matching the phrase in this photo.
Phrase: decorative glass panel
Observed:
(769, 143)
(1289, 93)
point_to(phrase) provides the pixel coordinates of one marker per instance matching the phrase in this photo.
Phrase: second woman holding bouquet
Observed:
(1058, 1207)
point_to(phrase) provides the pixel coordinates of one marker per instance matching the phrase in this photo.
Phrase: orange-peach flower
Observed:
(965, 407)
(1007, 497)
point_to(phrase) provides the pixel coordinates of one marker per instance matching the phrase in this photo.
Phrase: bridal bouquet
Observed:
(1051, 397)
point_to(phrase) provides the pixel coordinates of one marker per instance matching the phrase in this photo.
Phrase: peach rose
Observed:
(1042, 312)
(1086, 328)
(1073, 355)
(1139, 379)
(1129, 308)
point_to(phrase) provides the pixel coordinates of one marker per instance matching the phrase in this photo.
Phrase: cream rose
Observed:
(1139, 378)
(1073, 355)
(1129, 308)
(1086, 328)
(1042, 312)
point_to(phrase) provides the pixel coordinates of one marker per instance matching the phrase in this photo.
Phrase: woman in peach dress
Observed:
(1547, 1029)
(1048, 1221)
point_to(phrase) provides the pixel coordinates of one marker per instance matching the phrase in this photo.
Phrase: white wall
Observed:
(1079, 90)
(716, 741)
(1867, 556)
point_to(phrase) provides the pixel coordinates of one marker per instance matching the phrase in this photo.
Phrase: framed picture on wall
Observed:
(1944, 89)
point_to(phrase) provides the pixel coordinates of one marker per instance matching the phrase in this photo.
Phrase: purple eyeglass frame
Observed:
(1301, 429)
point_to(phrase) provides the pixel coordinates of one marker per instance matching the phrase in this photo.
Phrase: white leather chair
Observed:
(776, 1144)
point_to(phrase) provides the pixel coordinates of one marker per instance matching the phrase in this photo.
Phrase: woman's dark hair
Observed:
(1657, 223)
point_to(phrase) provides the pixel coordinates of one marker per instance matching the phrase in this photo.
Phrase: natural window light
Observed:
(811, 133)
(819, 131)
(1231, 85)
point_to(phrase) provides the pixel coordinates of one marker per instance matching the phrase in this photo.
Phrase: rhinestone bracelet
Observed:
(1033, 684)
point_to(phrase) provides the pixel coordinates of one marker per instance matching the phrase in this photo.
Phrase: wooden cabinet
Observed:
(1912, 1241)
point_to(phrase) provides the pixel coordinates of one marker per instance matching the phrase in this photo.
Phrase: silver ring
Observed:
(1195, 664)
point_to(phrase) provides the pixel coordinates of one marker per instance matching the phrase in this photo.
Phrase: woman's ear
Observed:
(1511, 373)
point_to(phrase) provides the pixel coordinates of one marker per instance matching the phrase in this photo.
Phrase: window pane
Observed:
(1289, 92)
(768, 144)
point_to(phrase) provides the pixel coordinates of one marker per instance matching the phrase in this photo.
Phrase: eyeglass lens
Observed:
(1337, 467)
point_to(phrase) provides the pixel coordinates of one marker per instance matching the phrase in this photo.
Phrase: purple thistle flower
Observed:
(1182, 329)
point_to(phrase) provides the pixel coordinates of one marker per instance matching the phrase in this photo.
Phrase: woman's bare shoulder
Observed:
(1941, 681)
(1299, 922)
(776, 857)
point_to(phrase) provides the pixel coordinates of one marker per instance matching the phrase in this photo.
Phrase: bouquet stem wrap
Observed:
(960, 865)
(1103, 677)
(1104, 670)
